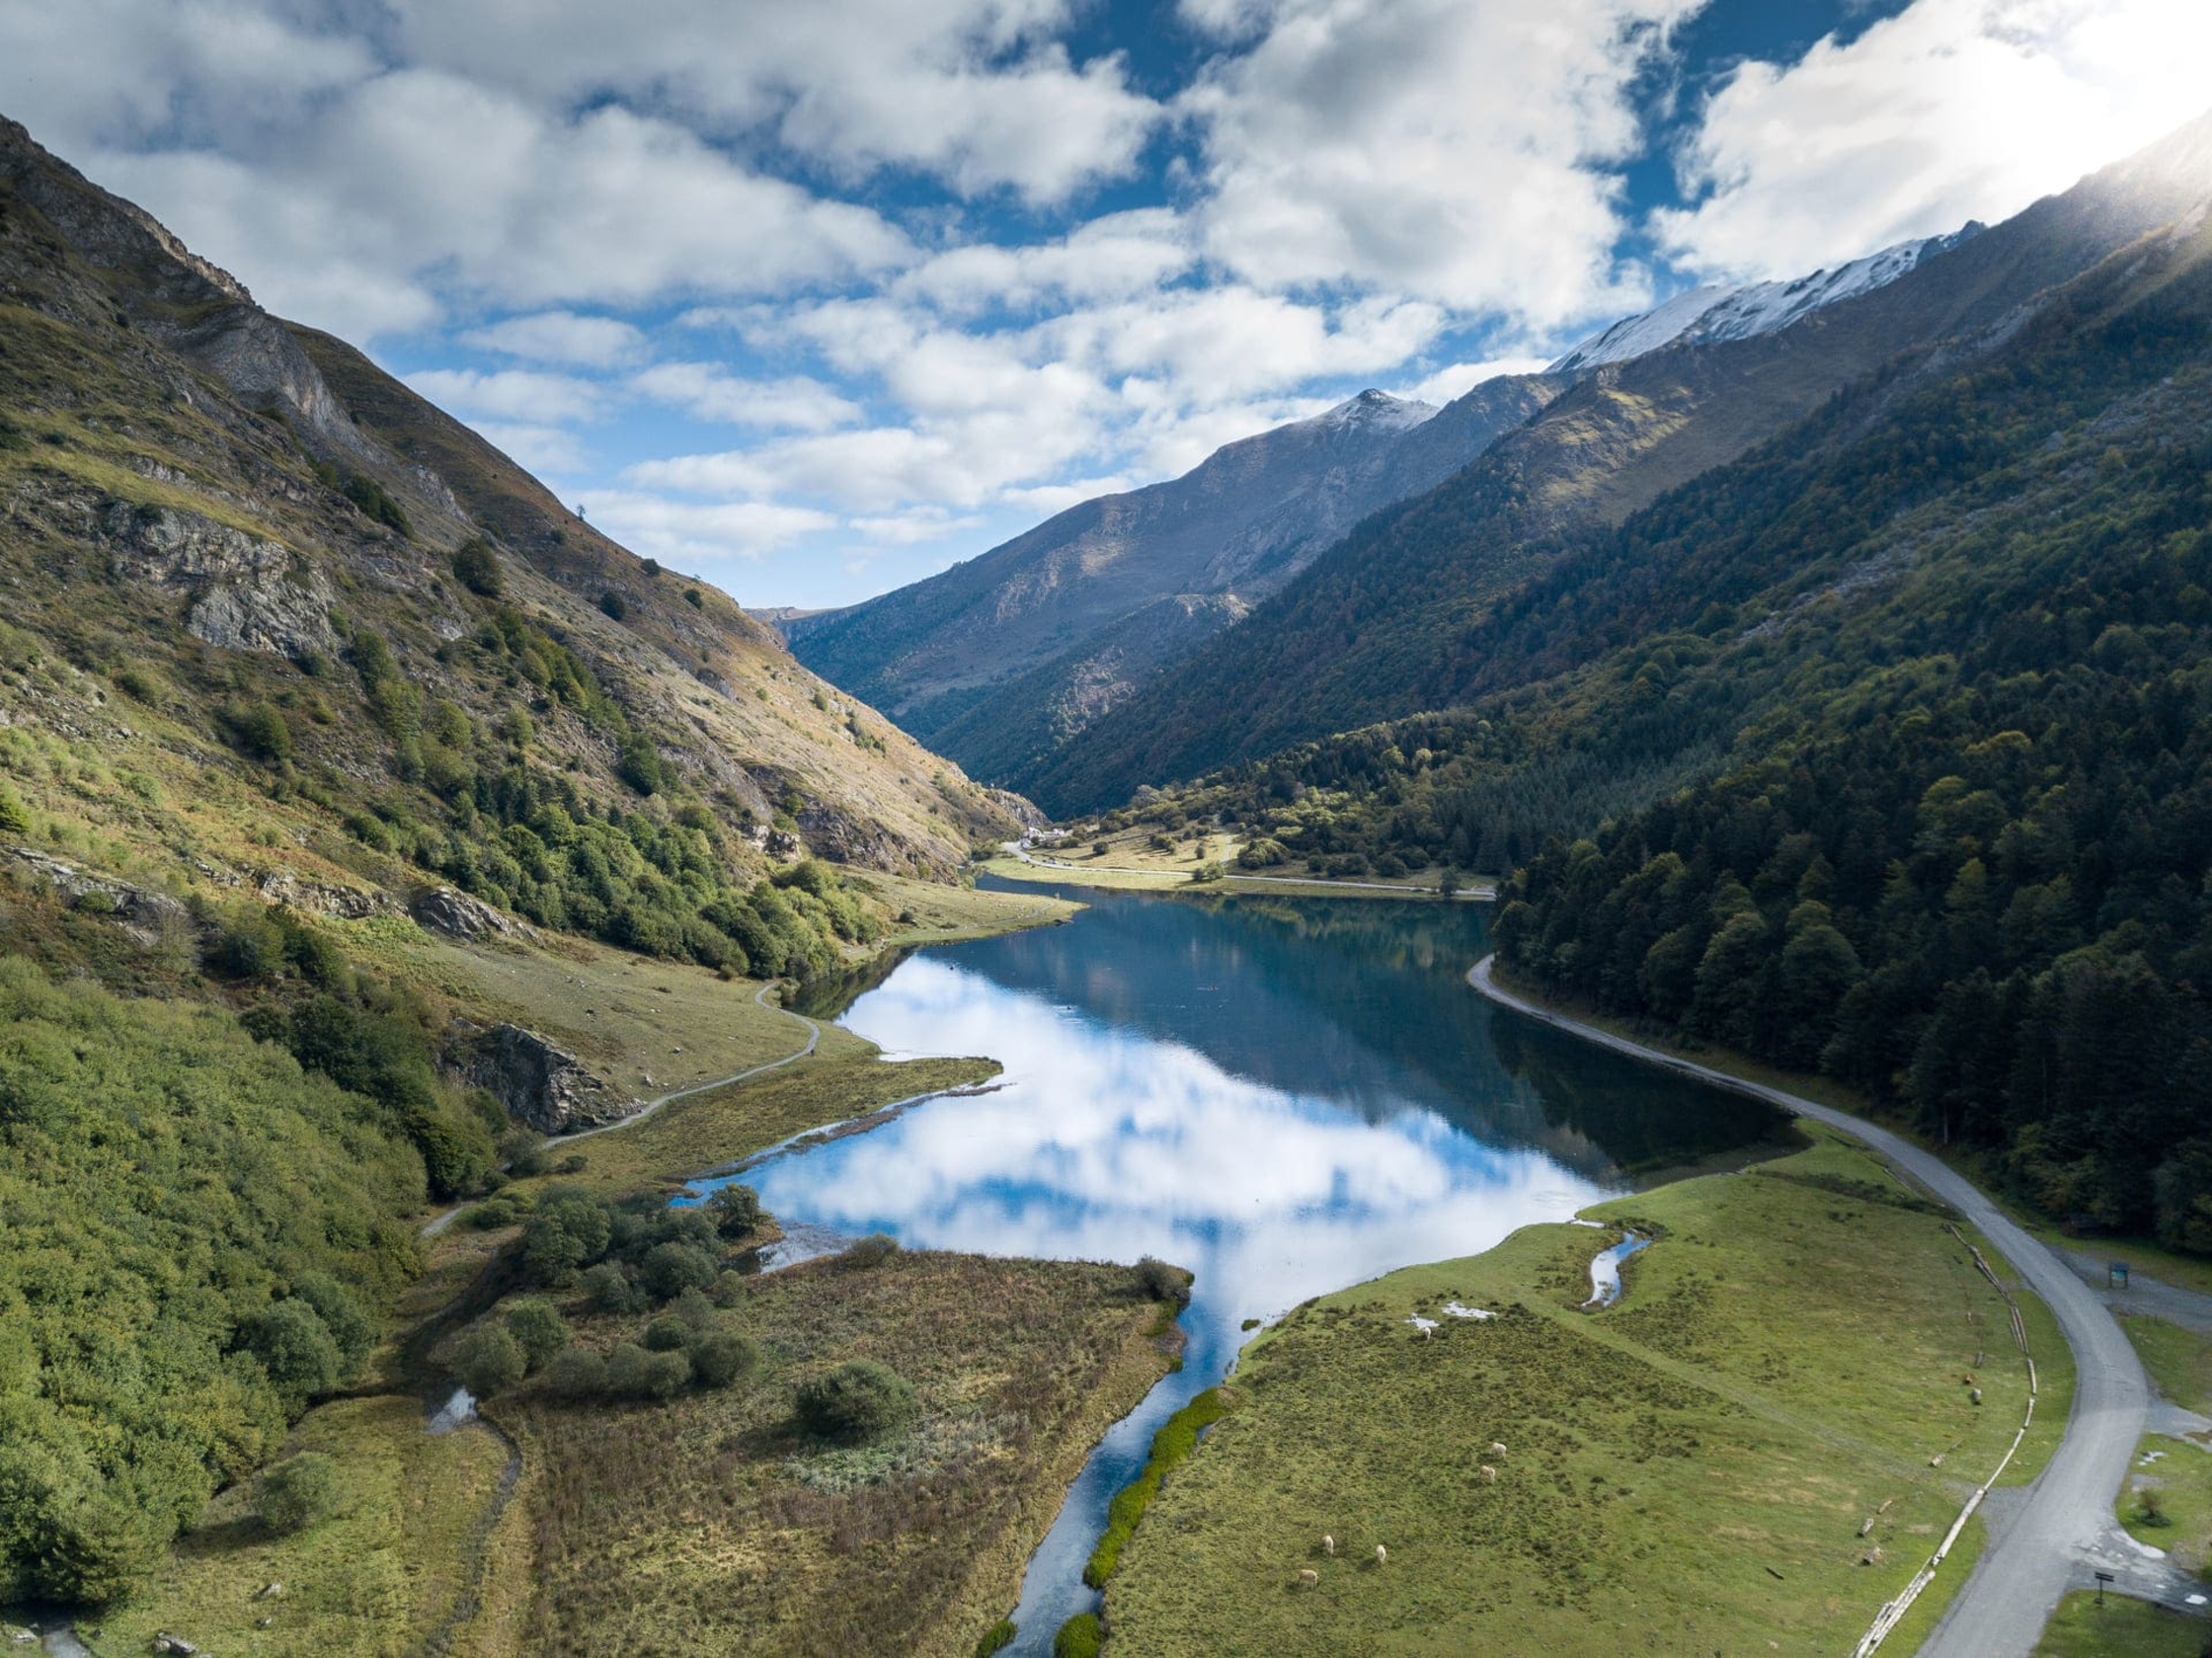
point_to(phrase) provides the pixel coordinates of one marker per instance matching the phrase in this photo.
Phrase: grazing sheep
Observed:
(1497, 1448)
(1977, 1396)
(1489, 1473)
(1328, 1545)
(1310, 1579)
(1381, 1555)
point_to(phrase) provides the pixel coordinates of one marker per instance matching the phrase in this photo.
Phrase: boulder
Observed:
(142, 913)
(449, 910)
(540, 1084)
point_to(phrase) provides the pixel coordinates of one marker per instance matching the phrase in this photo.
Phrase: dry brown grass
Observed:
(710, 1523)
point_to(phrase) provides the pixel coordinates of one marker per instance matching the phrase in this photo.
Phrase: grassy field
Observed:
(709, 1521)
(1687, 1471)
(2167, 1501)
(926, 912)
(2119, 1628)
(2179, 1361)
(371, 1583)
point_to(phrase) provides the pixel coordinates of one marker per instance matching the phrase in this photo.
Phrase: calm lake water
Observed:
(1287, 1097)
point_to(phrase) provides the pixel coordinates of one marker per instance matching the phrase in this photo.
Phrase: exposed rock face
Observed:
(245, 593)
(349, 904)
(540, 1084)
(143, 914)
(454, 913)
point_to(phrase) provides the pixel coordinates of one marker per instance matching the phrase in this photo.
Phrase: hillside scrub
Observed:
(198, 1230)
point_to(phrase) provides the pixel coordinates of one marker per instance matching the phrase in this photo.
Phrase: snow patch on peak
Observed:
(1377, 410)
(1708, 314)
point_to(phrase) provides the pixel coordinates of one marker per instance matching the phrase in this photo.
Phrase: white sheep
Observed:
(1488, 1474)
(1310, 1578)
(1328, 1545)
(1497, 1448)
(1381, 1555)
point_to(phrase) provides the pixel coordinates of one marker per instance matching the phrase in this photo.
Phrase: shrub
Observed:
(1080, 1636)
(523, 1152)
(634, 1374)
(568, 1231)
(693, 597)
(259, 732)
(996, 1638)
(720, 1359)
(296, 1349)
(577, 1374)
(477, 569)
(607, 1288)
(490, 1360)
(668, 1335)
(870, 1251)
(859, 1400)
(341, 1316)
(300, 1492)
(670, 1269)
(613, 604)
(694, 1307)
(1157, 1281)
(13, 819)
(492, 1213)
(139, 685)
(729, 1289)
(539, 1330)
(736, 1211)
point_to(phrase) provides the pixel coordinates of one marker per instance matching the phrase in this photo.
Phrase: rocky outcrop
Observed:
(544, 1086)
(453, 913)
(142, 913)
(242, 592)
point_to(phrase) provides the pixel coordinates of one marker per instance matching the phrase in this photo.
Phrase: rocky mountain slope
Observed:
(1384, 624)
(273, 621)
(1001, 659)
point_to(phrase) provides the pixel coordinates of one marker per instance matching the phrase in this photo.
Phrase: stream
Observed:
(1286, 1095)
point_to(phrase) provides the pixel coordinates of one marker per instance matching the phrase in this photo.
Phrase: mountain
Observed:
(1708, 314)
(242, 558)
(1884, 751)
(1002, 657)
(1386, 622)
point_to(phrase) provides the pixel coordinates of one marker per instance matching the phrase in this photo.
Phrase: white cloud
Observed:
(1953, 110)
(562, 337)
(510, 394)
(539, 449)
(1448, 384)
(693, 535)
(1116, 256)
(1451, 151)
(979, 92)
(712, 393)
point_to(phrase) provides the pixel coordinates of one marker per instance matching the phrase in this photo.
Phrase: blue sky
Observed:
(813, 299)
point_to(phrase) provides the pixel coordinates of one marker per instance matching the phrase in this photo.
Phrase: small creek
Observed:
(1286, 1096)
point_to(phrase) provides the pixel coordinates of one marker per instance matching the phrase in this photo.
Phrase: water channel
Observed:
(1285, 1095)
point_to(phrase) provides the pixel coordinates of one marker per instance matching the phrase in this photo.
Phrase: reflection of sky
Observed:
(1106, 1145)
(1171, 1090)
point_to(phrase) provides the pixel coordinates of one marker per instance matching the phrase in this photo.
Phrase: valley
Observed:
(1566, 1009)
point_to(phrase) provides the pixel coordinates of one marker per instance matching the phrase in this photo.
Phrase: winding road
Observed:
(439, 1223)
(2063, 1532)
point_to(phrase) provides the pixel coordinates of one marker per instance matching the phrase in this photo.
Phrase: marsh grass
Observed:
(676, 1528)
(1786, 1359)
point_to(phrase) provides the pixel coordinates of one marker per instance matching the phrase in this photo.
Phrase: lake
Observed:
(1285, 1095)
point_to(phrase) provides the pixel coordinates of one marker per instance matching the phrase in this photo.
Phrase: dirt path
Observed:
(439, 1223)
(2064, 1530)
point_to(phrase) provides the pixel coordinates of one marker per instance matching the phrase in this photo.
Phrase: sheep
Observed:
(1497, 1448)
(1381, 1555)
(1308, 1579)
(1489, 1473)
(1328, 1545)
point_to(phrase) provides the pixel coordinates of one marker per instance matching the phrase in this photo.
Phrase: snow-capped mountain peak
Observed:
(1708, 314)
(1377, 411)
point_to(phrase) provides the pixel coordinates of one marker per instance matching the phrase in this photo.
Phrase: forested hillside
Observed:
(1394, 619)
(1937, 669)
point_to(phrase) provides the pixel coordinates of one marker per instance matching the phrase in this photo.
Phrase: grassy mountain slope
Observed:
(1388, 621)
(305, 581)
(1895, 739)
